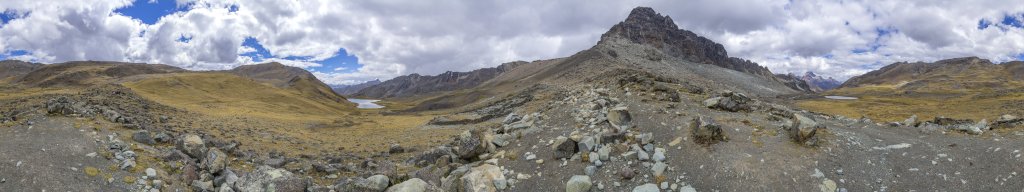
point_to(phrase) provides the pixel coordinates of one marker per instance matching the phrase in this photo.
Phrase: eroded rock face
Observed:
(804, 129)
(706, 131)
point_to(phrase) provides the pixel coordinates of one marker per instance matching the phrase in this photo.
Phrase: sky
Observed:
(353, 41)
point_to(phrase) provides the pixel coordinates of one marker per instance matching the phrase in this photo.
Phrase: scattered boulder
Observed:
(215, 161)
(963, 125)
(502, 140)
(586, 144)
(266, 178)
(706, 131)
(470, 144)
(481, 178)
(433, 155)
(1007, 121)
(729, 101)
(912, 121)
(620, 118)
(396, 148)
(411, 185)
(379, 182)
(63, 106)
(192, 145)
(804, 129)
(143, 136)
(359, 184)
(627, 173)
(650, 187)
(563, 147)
(578, 183)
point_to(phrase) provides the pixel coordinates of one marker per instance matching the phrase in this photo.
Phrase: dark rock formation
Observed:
(645, 26)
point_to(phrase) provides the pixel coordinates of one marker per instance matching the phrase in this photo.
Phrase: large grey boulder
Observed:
(472, 143)
(578, 183)
(379, 182)
(266, 179)
(192, 145)
(729, 101)
(620, 118)
(804, 129)
(411, 185)
(143, 136)
(481, 178)
(215, 161)
(706, 131)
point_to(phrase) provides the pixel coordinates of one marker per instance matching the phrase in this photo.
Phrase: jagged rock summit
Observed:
(645, 26)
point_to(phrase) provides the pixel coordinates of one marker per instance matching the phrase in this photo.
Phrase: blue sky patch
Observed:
(14, 53)
(149, 13)
(1013, 21)
(342, 62)
(260, 54)
(983, 24)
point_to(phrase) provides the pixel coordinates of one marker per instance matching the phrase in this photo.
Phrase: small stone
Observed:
(578, 183)
(664, 185)
(646, 138)
(828, 186)
(627, 173)
(540, 161)
(500, 184)
(604, 153)
(563, 148)
(659, 154)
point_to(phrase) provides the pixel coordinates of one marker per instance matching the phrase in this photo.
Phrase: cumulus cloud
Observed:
(391, 37)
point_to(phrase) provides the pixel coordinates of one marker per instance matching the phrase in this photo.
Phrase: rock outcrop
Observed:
(645, 26)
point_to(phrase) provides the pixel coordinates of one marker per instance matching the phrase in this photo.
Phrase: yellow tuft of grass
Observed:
(91, 171)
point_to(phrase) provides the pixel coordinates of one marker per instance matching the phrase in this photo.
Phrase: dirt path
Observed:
(51, 155)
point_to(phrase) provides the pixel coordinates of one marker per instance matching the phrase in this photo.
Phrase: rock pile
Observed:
(730, 101)
(706, 131)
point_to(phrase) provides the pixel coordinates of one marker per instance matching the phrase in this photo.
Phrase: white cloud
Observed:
(392, 37)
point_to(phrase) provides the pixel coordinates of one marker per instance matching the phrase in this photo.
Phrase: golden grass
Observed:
(226, 95)
(885, 103)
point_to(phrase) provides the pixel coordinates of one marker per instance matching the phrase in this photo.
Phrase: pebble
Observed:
(590, 170)
(93, 154)
(18, 164)
(540, 161)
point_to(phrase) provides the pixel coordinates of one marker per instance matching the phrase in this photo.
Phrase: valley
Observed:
(649, 107)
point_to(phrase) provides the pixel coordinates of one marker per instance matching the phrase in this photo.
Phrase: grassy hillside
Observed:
(981, 96)
(226, 94)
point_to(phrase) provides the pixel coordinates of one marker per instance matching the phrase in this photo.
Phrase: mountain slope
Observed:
(288, 77)
(967, 87)
(14, 69)
(646, 44)
(352, 89)
(819, 83)
(84, 73)
(415, 84)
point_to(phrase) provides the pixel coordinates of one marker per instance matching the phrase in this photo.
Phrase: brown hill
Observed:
(288, 77)
(13, 69)
(84, 73)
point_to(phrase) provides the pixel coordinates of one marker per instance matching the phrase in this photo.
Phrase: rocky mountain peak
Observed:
(644, 26)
